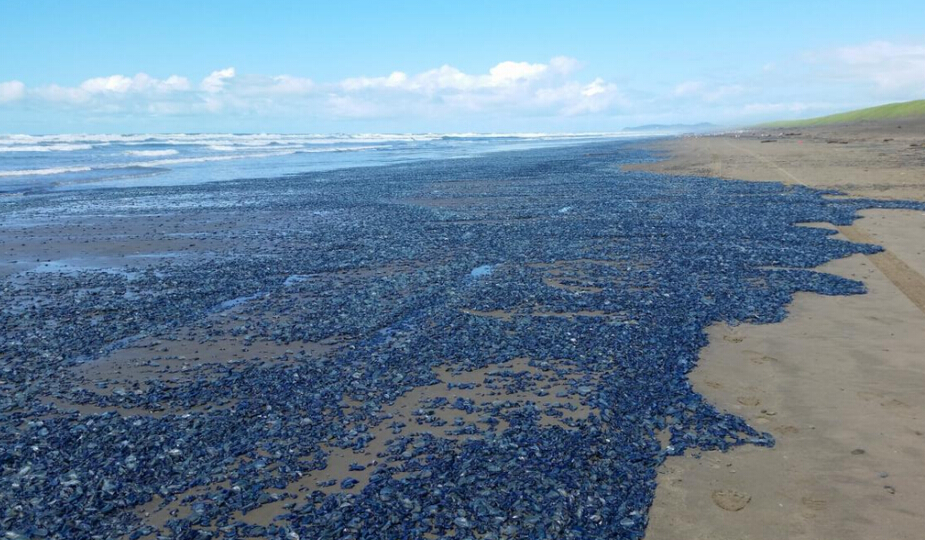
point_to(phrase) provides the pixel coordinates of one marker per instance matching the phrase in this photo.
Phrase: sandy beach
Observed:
(466, 348)
(462, 271)
(839, 382)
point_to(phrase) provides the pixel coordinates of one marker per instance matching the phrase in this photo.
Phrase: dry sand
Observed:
(840, 383)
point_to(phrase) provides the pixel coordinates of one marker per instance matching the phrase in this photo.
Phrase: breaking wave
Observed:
(151, 153)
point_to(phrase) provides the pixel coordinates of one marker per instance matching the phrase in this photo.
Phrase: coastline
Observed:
(838, 382)
(196, 363)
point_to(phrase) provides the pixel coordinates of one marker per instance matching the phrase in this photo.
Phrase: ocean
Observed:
(30, 163)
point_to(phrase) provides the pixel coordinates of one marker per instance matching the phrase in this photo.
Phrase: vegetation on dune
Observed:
(883, 112)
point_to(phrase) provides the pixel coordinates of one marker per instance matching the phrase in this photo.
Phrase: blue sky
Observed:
(351, 66)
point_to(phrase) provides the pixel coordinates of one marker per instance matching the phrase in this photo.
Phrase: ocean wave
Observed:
(146, 151)
(48, 148)
(298, 149)
(258, 139)
(157, 163)
(203, 159)
(343, 149)
(230, 142)
(151, 153)
(530, 135)
(44, 172)
(115, 175)
(239, 147)
(73, 138)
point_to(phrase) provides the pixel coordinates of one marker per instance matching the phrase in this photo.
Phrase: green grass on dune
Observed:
(883, 112)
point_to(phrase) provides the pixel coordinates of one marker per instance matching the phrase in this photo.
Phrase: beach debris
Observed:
(332, 357)
(481, 271)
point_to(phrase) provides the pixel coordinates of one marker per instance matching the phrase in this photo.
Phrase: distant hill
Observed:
(883, 112)
(686, 128)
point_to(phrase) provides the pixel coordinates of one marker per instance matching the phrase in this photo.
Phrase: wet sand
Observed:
(839, 382)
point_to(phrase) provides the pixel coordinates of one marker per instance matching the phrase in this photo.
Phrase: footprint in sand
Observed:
(731, 500)
(748, 401)
(894, 404)
(763, 359)
(814, 503)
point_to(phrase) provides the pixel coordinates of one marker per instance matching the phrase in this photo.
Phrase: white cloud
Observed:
(11, 91)
(508, 88)
(809, 84)
(99, 89)
(260, 86)
(175, 83)
(507, 73)
(596, 88)
(890, 66)
(287, 84)
(536, 92)
(142, 82)
(443, 78)
(114, 83)
(396, 79)
(564, 65)
(688, 88)
(215, 81)
(573, 99)
(446, 77)
(62, 94)
(596, 97)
